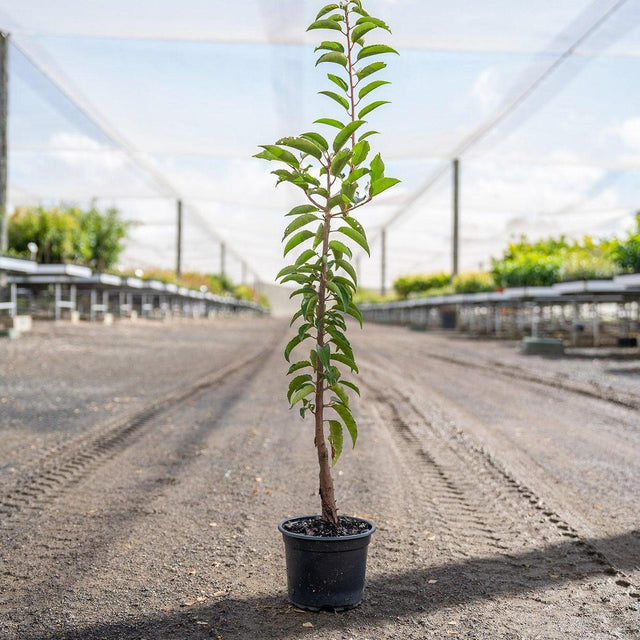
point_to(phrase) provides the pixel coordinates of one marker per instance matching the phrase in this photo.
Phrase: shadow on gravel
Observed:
(411, 594)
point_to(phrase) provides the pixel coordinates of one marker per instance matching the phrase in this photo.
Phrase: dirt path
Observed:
(160, 522)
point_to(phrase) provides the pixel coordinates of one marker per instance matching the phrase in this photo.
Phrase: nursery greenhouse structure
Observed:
(482, 458)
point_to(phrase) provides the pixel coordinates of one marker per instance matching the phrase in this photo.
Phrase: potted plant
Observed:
(338, 174)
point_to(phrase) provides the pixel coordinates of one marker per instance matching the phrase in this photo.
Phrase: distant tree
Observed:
(626, 253)
(69, 234)
(103, 235)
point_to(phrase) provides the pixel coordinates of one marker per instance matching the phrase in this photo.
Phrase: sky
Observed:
(137, 104)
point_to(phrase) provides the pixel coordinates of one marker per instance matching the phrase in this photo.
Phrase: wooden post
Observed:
(456, 218)
(4, 105)
(383, 263)
(179, 241)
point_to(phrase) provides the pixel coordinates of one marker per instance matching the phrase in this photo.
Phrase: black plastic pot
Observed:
(325, 573)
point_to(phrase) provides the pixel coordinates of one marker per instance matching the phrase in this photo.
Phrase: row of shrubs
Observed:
(541, 263)
(96, 239)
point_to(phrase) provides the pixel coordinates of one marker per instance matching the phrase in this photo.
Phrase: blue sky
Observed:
(193, 92)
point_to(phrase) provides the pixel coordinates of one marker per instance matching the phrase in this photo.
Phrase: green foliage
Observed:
(332, 169)
(473, 282)
(626, 253)
(420, 283)
(548, 261)
(69, 234)
(105, 234)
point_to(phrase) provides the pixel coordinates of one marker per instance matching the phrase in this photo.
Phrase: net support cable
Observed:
(138, 158)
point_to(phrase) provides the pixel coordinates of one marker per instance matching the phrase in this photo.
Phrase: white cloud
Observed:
(629, 133)
(484, 89)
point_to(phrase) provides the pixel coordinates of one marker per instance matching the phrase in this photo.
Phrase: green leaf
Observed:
(297, 382)
(331, 122)
(301, 144)
(340, 293)
(369, 69)
(305, 256)
(345, 282)
(360, 152)
(374, 50)
(341, 393)
(326, 9)
(336, 201)
(298, 222)
(348, 190)
(335, 440)
(371, 87)
(382, 184)
(340, 357)
(340, 161)
(348, 420)
(281, 154)
(303, 208)
(343, 264)
(341, 82)
(286, 271)
(370, 107)
(341, 343)
(376, 21)
(302, 364)
(346, 383)
(354, 312)
(333, 56)
(355, 175)
(354, 224)
(319, 235)
(367, 134)
(264, 155)
(317, 138)
(341, 100)
(320, 192)
(292, 344)
(303, 392)
(377, 168)
(345, 134)
(294, 241)
(324, 355)
(303, 291)
(329, 45)
(336, 245)
(361, 30)
(295, 277)
(356, 236)
(324, 24)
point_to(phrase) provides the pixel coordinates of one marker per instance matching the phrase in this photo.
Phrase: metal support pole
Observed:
(456, 217)
(4, 105)
(244, 272)
(179, 241)
(383, 263)
(223, 251)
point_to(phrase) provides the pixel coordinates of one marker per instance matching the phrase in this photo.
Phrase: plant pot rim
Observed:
(303, 536)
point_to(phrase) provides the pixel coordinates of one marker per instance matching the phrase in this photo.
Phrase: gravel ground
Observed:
(504, 488)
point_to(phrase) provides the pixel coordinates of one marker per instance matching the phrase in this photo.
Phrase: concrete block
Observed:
(19, 323)
(108, 319)
(542, 347)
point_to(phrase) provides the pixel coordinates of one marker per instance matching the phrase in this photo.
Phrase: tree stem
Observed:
(327, 495)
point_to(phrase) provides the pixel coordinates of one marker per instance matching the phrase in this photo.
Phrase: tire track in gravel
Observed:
(60, 469)
(483, 504)
(41, 561)
(510, 371)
